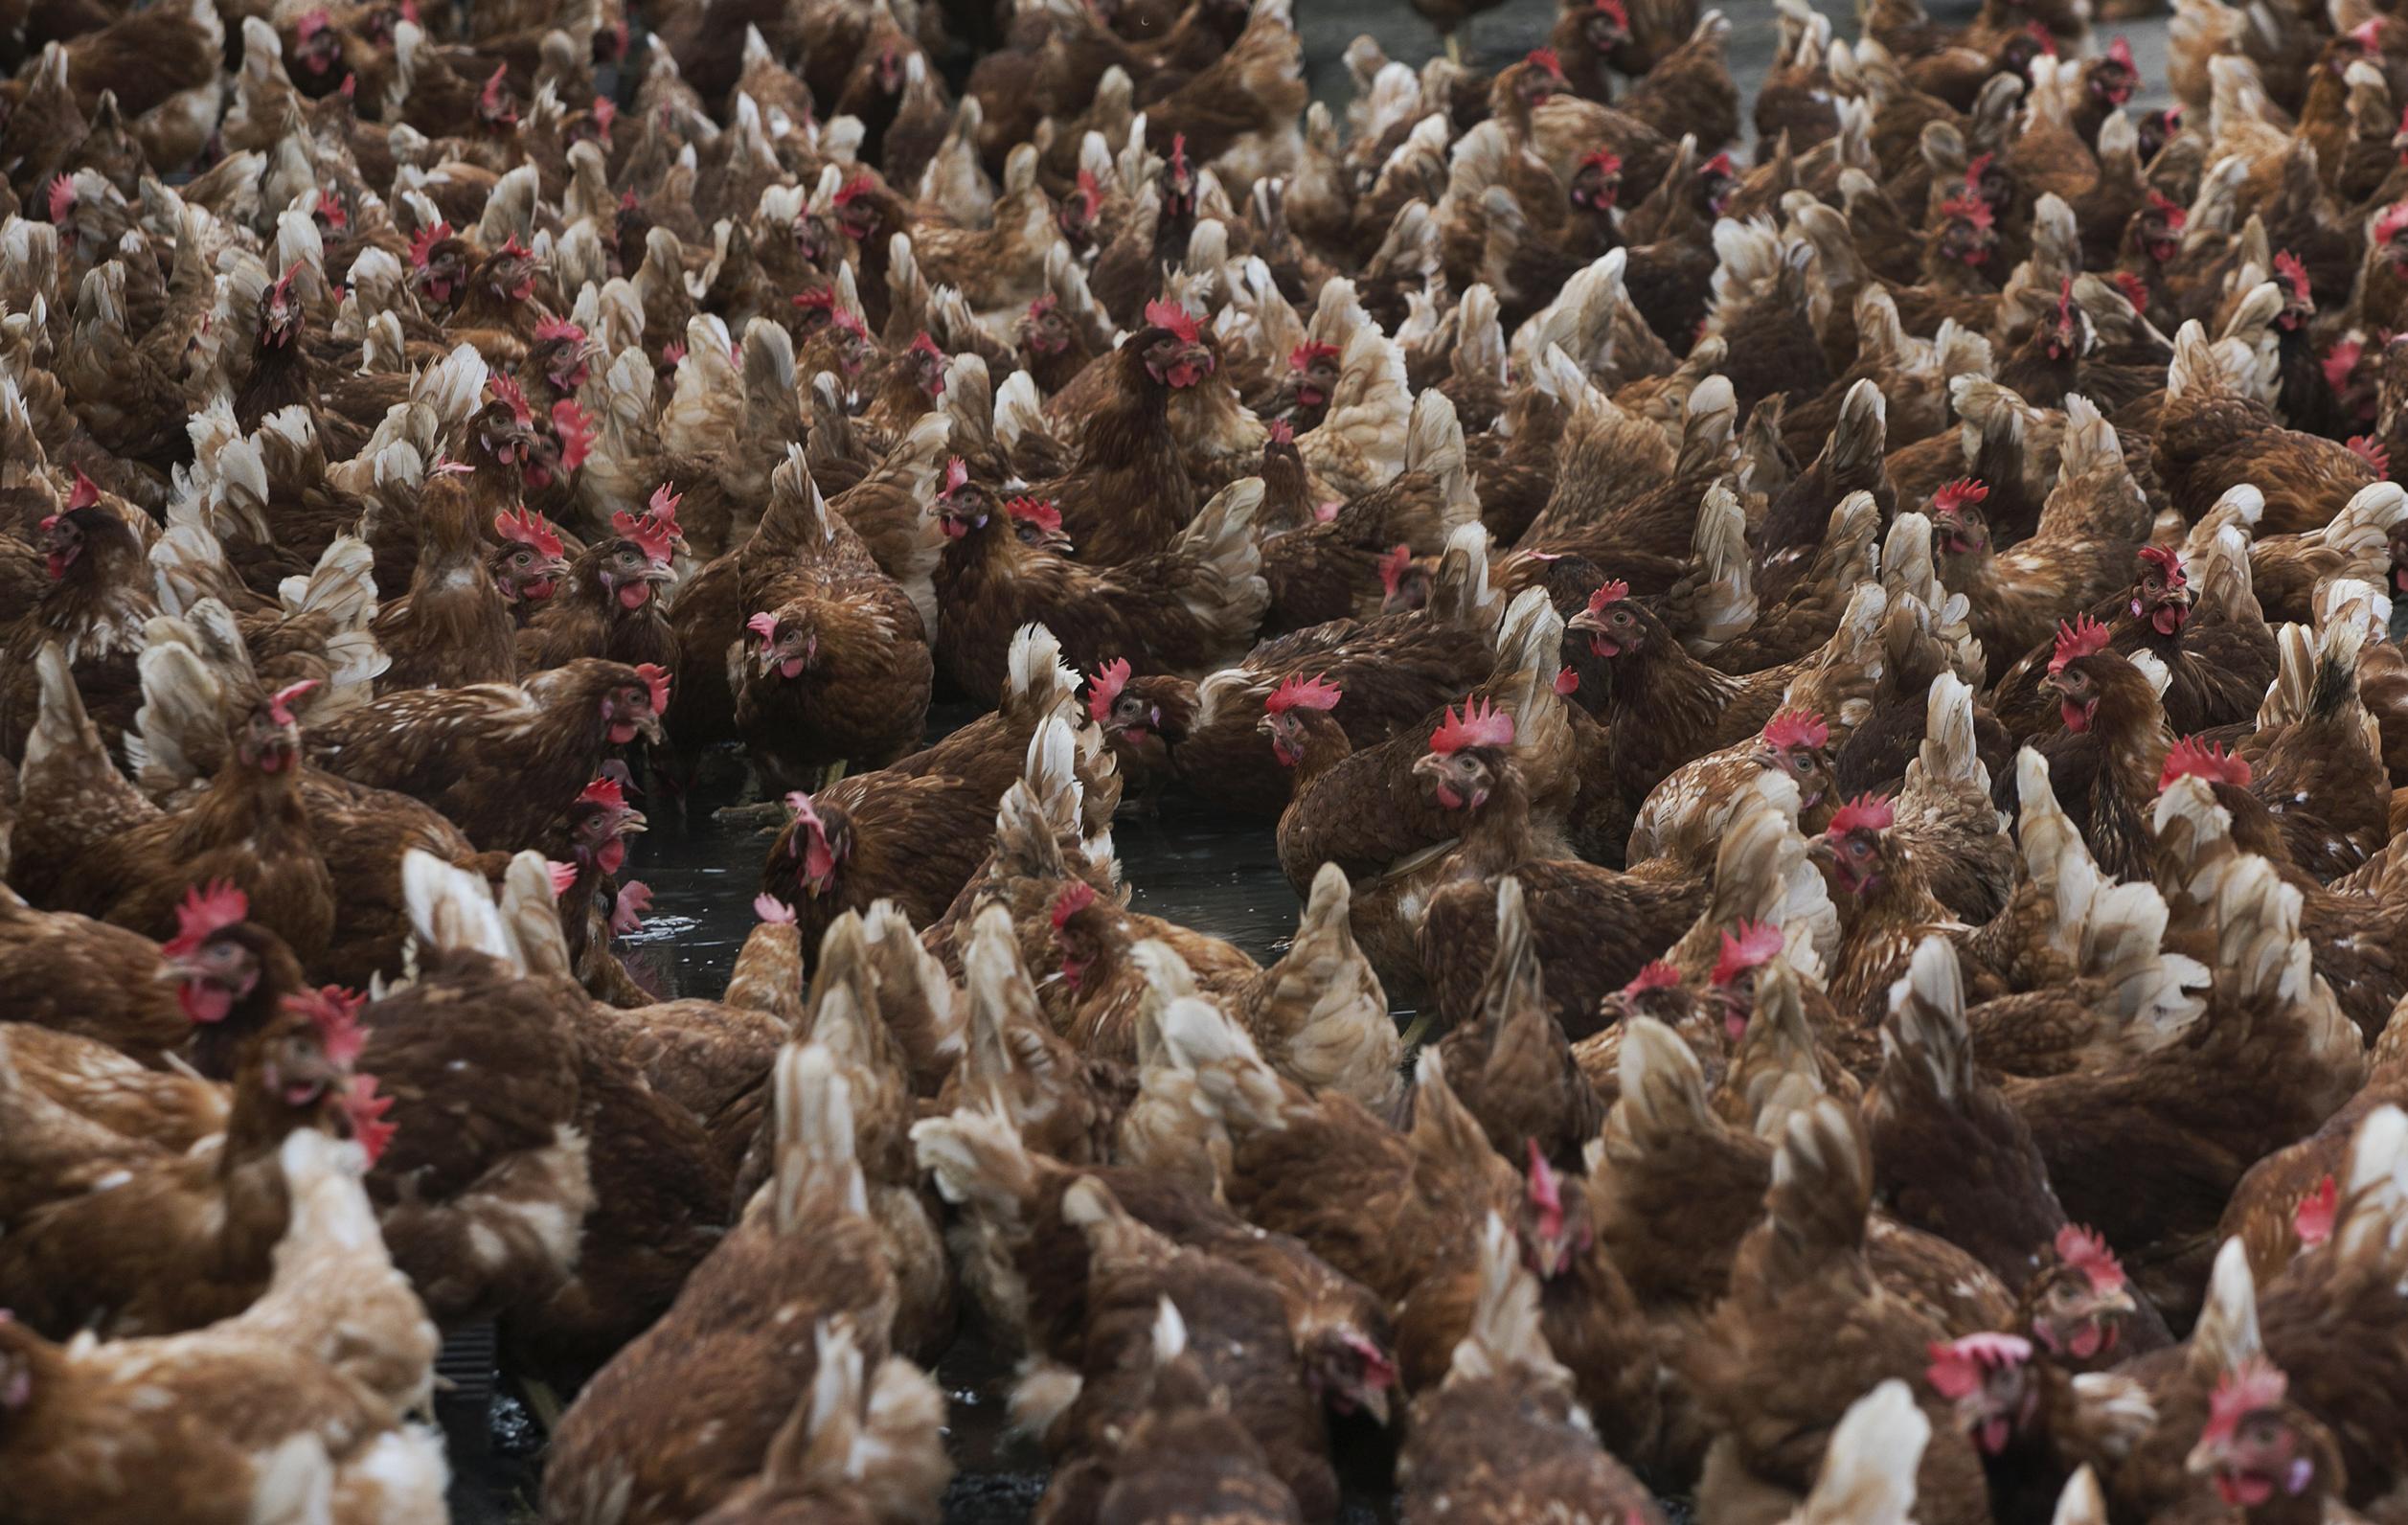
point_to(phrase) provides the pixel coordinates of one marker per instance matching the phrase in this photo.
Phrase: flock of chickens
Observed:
(1874, 765)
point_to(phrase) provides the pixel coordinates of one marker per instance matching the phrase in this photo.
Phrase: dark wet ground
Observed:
(1182, 862)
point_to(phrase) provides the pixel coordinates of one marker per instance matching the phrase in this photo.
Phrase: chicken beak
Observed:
(1374, 1402)
(649, 726)
(633, 824)
(1429, 765)
(1586, 620)
(2204, 1459)
(1265, 727)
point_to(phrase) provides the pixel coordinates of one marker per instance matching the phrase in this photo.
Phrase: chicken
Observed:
(1801, 1275)
(842, 668)
(2211, 438)
(1396, 669)
(1128, 494)
(618, 1452)
(2091, 528)
(209, 1220)
(858, 1445)
(2276, 1032)
(327, 1362)
(94, 609)
(1188, 606)
(453, 627)
(248, 827)
(1505, 1393)
(1662, 708)
(609, 605)
(502, 760)
(1238, 1330)
(486, 1182)
(2212, 642)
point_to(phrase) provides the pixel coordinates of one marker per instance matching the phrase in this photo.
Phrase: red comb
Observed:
(278, 704)
(1974, 172)
(816, 297)
(2341, 362)
(1546, 58)
(2254, 1384)
(1305, 353)
(1036, 510)
(2135, 289)
(529, 529)
(1797, 728)
(1865, 813)
(851, 190)
(763, 624)
(1656, 976)
(1971, 208)
(86, 493)
(576, 431)
(204, 912)
(335, 1012)
(1606, 160)
(2077, 638)
(1480, 724)
(563, 876)
(2294, 274)
(2039, 33)
(1076, 897)
(1614, 9)
(1546, 1193)
(604, 792)
(1282, 432)
(924, 345)
(773, 910)
(1298, 693)
(1105, 686)
(2312, 1219)
(1174, 317)
(1613, 592)
(2087, 1252)
(366, 1110)
(2192, 757)
(2367, 448)
(506, 389)
(2175, 217)
(1393, 567)
(1957, 1366)
(957, 474)
(2393, 219)
(62, 198)
(423, 246)
(605, 112)
(2164, 559)
(1090, 193)
(550, 329)
(2121, 51)
(657, 679)
(1748, 948)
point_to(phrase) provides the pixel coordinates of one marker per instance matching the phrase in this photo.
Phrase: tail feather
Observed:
(1220, 543)
(1343, 1039)
(1236, 1083)
(1725, 606)
(1867, 1474)
(451, 907)
(816, 1172)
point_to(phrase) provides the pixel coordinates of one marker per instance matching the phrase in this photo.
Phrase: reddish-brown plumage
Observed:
(501, 759)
